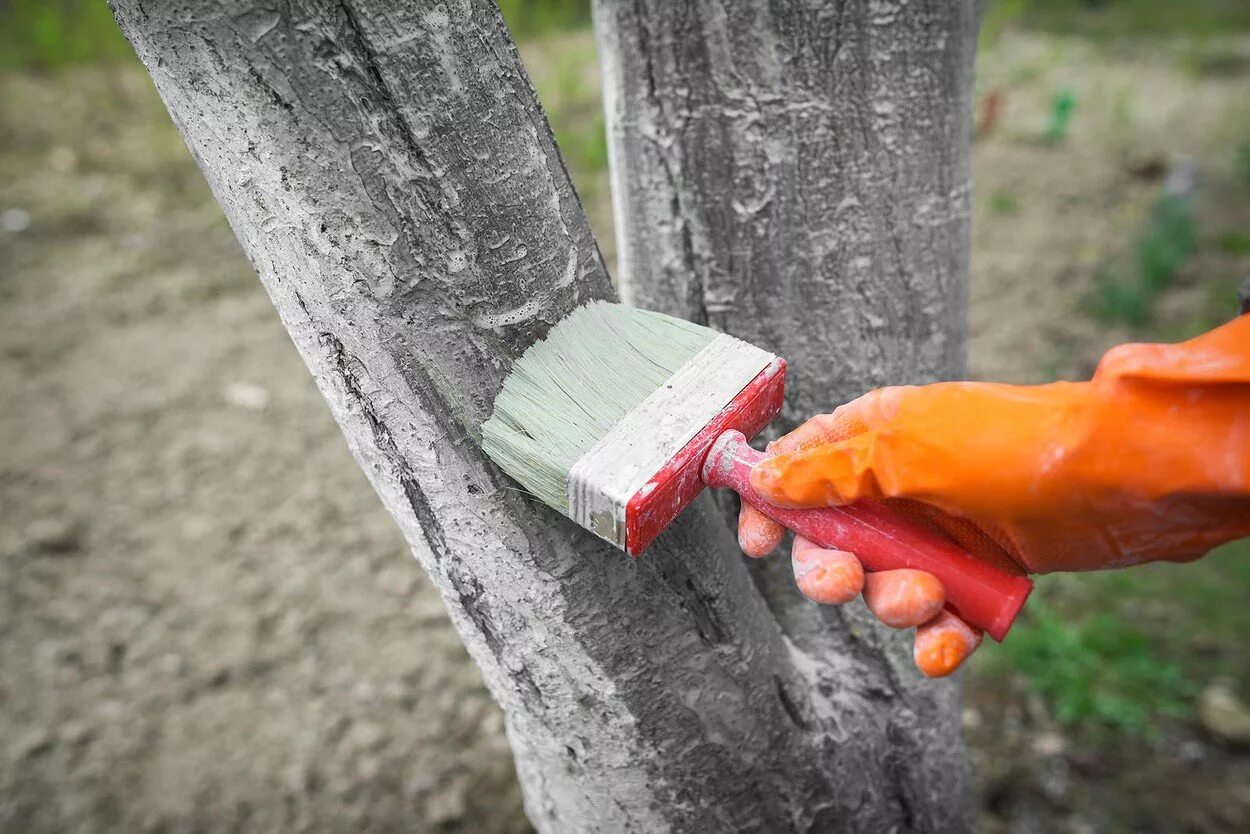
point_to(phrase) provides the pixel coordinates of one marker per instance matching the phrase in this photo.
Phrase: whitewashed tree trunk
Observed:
(798, 175)
(390, 174)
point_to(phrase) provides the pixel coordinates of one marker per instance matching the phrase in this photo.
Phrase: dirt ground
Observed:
(208, 621)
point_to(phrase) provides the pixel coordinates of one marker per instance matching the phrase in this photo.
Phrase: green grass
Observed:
(564, 72)
(48, 35)
(1114, 18)
(1101, 672)
(1235, 243)
(534, 18)
(1119, 652)
(1242, 162)
(1126, 293)
(1062, 106)
(1003, 203)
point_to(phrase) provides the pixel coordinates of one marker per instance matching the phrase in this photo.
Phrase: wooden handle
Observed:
(980, 593)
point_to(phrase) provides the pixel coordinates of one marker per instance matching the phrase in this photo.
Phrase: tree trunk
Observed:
(390, 174)
(800, 177)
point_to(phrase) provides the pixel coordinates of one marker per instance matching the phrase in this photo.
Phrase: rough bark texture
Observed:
(798, 175)
(390, 175)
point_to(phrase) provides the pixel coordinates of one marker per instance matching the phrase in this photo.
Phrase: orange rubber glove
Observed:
(1148, 461)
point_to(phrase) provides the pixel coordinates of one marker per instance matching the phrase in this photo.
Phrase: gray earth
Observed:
(208, 620)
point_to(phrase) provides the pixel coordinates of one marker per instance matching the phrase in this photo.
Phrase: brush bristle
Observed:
(568, 390)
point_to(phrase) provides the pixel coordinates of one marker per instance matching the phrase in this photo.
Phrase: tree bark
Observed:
(799, 177)
(389, 173)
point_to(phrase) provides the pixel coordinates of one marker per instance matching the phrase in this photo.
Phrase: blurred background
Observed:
(208, 622)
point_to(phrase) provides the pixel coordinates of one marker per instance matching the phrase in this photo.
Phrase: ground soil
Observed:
(209, 623)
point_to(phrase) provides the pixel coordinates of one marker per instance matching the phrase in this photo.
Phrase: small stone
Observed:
(1035, 709)
(1049, 744)
(448, 804)
(172, 665)
(75, 733)
(398, 578)
(300, 778)
(1182, 180)
(1224, 716)
(246, 395)
(62, 160)
(15, 220)
(54, 536)
(110, 711)
(31, 743)
(420, 786)
(972, 718)
(492, 724)
(1077, 825)
(368, 768)
(1054, 780)
(365, 736)
(1191, 751)
(197, 527)
(364, 692)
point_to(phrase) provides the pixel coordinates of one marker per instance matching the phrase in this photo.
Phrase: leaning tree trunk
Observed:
(390, 174)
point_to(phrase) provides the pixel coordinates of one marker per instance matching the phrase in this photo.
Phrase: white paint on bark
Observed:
(798, 177)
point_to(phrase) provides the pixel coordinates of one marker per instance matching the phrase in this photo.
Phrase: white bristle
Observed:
(568, 390)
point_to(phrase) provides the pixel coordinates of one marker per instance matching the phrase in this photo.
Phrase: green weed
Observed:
(1242, 162)
(47, 35)
(1097, 672)
(533, 18)
(1235, 243)
(1003, 203)
(563, 69)
(1126, 294)
(1204, 57)
(1116, 297)
(1122, 111)
(1111, 18)
(1155, 636)
(996, 17)
(1061, 109)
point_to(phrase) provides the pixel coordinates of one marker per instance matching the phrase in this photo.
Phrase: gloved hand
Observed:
(1148, 461)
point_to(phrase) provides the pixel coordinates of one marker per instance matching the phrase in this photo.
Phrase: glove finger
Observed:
(823, 476)
(830, 577)
(904, 598)
(815, 431)
(758, 535)
(943, 644)
(859, 415)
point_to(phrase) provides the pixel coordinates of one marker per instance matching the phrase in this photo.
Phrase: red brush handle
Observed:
(980, 593)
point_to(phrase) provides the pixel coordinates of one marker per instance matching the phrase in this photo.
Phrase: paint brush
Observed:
(621, 416)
